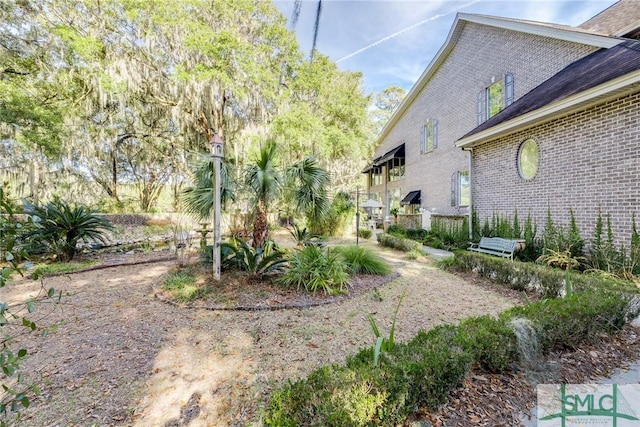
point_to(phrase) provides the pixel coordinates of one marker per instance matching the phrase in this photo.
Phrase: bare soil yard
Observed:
(120, 356)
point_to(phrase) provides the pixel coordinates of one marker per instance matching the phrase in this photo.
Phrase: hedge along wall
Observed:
(526, 276)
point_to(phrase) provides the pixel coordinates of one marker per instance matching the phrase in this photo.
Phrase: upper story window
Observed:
(395, 169)
(495, 97)
(429, 136)
(375, 176)
(460, 189)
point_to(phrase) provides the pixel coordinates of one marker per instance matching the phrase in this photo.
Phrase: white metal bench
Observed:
(495, 246)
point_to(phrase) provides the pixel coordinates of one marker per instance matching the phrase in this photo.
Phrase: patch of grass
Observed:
(60, 268)
(446, 263)
(414, 254)
(360, 260)
(183, 286)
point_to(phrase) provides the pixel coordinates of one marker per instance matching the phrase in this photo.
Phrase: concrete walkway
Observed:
(436, 253)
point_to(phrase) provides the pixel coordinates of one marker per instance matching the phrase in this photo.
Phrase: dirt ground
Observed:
(119, 356)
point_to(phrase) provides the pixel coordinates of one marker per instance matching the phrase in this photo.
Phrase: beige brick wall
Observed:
(588, 160)
(482, 52)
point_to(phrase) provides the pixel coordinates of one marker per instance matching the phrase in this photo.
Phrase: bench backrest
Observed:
(497, 244)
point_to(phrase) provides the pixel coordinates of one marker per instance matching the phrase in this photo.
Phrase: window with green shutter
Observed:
(429, 136)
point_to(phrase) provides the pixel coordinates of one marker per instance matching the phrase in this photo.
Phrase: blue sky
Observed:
(392, 41)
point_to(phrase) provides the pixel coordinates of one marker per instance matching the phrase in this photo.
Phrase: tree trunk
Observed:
(260, 225)
(34, 179)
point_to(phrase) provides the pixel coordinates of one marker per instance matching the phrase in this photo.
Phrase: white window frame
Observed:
(460, 189)
(429, 136)
(483, 99)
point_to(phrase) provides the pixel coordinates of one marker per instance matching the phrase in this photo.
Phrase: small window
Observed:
(376, 177)
(395, 169)
(528, 159)
(429, 136)
(495, 97)
(395, 196)
(460, 189)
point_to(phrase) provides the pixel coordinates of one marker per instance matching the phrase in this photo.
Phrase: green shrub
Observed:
(417, 234)
(545, 281)
(568, 322)
(491, 342)
(452, 232)
(339, 214)
(365, 233)
(340, 396)
(240, 255)
(399, 243)
(410, 376)
(60, 227)
(397, 230)
(434, 241)
(314, 268)
(359, 260)
(433, 365)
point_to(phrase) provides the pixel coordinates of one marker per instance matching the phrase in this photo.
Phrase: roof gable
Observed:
(531, 27)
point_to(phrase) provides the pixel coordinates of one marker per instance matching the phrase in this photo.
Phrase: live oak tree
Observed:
(128, 92)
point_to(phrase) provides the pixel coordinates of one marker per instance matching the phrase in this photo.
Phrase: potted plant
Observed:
(394, 214)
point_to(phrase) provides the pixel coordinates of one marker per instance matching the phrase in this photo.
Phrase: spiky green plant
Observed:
(314, 268)
(239, 254)
(61, 226)
(383, 344)
(360, 260)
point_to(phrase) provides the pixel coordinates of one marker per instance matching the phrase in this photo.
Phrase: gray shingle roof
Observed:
(616, 18)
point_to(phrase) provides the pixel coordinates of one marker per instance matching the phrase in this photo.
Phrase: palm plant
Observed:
(316, 269)
(198, 199)
(302, 236)
(306, 184)
(309, 188)
(61, 227)
(241, 255)
(265, 181)
(305, 181)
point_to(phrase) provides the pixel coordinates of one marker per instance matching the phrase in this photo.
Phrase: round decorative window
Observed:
(528, 159)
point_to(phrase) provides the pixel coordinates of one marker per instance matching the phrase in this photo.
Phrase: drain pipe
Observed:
(470, 150)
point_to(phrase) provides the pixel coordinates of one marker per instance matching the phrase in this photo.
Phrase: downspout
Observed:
(470, 150)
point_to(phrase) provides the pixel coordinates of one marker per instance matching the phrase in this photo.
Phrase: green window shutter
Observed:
(509, 89)
(423, 139)
(434, 130)
(479, 107)
(454, 189)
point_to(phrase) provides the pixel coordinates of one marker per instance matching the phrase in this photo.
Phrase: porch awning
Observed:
(397, 152)
(373, 167)
(413, 198)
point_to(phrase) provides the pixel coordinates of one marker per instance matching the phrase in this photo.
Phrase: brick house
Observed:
(484, 69)
(573, 142)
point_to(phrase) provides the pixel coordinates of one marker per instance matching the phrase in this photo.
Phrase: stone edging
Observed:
(333, 300)
(104, 266)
